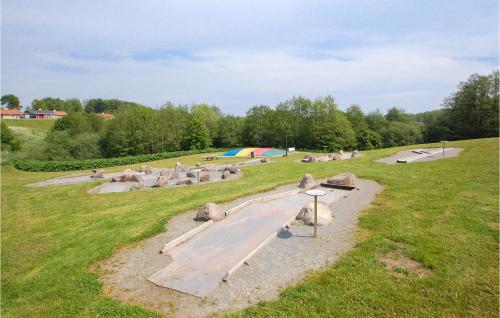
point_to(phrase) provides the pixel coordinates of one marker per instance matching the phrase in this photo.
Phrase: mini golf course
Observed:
(259, 152)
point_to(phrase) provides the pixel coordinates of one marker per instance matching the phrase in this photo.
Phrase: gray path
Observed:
(411, 155)
(200, 263)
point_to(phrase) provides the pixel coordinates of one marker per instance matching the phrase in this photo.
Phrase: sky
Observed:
(237, 54)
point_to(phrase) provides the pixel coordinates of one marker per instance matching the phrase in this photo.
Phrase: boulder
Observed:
(137, 177)
(344, 179)
(354, 154)
(146, 169)
(205, 178)
(307, 156)
(313, 159)
(226, 174)
(180, 167)
(337, 157)
(307, 182)
(307, 214)
(169, 173)
(161, 181)
(97, 174)
(210, 211)
(233, 169)
(264, 160)
(183, 181)
(138, 185)
(190, 174)
(125, 176)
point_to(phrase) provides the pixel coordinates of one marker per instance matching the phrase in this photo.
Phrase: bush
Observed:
(68, 165)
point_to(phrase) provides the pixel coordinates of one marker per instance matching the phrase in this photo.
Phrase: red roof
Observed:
(60, 113)
(104, 115)
(11, 112)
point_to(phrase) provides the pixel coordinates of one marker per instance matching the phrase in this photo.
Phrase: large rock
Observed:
(344, 179)
(190, 174)
(161, 181)
(307, 156)
(146, 169)
(137, 177)
(354, 154)
(97, 174)
(233, 169)
(205, 178)
(336, 156)
(264, 160)
(226, 174)
(183, 181)
(168, 173)
(313, 159)
(307, 182)
(138, 185)
(210, 211)
(125, 176)
(307, 214)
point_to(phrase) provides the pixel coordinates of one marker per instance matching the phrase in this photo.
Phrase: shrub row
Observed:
(51, 166)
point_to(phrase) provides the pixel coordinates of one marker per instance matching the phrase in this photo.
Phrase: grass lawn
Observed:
(39, 124)
(443, 214)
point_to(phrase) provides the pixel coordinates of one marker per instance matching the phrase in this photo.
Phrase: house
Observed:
(105, 115)
(40, 114)
(58, 114)
(11, 113)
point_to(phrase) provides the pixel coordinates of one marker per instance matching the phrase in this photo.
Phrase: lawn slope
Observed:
(443, 214)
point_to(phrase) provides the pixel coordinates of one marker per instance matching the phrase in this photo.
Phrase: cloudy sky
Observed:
(236, 54)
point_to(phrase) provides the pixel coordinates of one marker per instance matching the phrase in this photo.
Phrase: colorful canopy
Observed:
(259, 152)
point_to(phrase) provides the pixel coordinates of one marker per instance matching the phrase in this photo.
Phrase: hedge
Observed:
(51, 166)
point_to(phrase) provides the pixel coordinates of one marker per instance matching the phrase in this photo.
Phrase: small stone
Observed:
(307, 214)
(161, 181)
(205, 178)
(226, 174)
(233, 170)
(264, 160)
(210, 211)
(146, 169)
(184, 181)
(190, 174)
(97, 174)
(124, 177)
(344, 179)
(307, 182)
(136, 178)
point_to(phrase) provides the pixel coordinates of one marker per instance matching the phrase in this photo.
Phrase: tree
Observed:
(397, 114)
(10, 101)
(39, 104)
(229, 131)
(199, 137)
(474, 107)
(8, 140)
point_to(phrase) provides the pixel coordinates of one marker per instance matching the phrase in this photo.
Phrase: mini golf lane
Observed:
(201, 263)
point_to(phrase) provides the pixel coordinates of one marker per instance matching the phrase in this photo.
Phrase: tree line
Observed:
(314, 124)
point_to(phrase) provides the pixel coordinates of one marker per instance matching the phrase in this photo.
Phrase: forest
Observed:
(313, 124)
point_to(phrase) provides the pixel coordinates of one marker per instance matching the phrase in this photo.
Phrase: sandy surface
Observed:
(451, 152)
(282, 262)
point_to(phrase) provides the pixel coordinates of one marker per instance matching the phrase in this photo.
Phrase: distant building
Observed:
(58, 114)
(105, 115)
(40, 114)
(11, 113)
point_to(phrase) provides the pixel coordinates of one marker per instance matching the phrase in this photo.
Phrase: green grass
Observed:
(442, 213)
(38, 124)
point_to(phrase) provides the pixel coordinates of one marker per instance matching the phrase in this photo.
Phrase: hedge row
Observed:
(51, 166)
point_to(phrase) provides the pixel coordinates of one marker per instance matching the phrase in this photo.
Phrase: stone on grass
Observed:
(354, 154)
(125, 176)
(307, 214)
(161, 181)
(344, 179)
(307, 156)
(205, 178)
(226, 174)
(183, 181)
(136, 178)
(210, 211)
(138, 185)
(264, 160)
(307, 182)
(169, 173)
(337, 157)
(146, 169)
(97, 174)
(190, 174)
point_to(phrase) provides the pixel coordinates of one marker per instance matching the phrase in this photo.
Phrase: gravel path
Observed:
(282, 262)
(450, 152)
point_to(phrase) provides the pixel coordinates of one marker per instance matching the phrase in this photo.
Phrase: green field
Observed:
(443, 214)
(43, 125)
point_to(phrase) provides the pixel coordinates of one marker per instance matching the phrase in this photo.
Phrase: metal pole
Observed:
(286, 140)
(315, 216)
(198, 176)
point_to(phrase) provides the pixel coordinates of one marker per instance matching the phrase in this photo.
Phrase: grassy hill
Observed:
(42, 125)
(443, 214)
